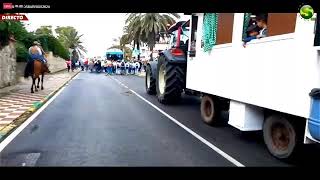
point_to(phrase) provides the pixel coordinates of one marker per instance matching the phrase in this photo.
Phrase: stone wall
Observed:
(56, 63)
(8, 65)
(12, 72)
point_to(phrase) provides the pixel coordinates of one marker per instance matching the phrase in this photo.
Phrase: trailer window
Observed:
(259, 25)
(194, 27)
(217, 29)
(225, 28)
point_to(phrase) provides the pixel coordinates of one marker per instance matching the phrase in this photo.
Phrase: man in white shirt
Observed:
(36, 53)
(137, 64)
(133, 67)
(127, 67)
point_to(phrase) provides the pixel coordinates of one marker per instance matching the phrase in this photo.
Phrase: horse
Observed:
(35, 69)
(38, 69)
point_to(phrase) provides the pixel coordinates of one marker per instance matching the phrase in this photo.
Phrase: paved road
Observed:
(97, 122)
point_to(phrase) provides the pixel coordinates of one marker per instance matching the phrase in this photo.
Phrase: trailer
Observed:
(265, 85)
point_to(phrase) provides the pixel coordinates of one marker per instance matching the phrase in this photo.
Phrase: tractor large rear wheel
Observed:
(170, 81)
(150, 82)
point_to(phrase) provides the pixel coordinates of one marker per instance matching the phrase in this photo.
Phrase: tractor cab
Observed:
(179, 38)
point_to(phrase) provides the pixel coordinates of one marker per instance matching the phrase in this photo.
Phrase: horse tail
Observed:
(28, 71)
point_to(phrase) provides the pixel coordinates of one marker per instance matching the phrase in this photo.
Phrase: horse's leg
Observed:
(35, 87)
(42, 76)
(38, 82)
(33, 83)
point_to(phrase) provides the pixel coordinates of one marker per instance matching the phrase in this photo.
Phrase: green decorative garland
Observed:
(245, 24)
(210, 25)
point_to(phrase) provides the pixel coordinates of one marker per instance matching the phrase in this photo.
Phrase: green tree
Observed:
(50, 43)
(23, 38)
(144, 27)
(154, 23)
(44, 30)
(22, 52)
(70, 38)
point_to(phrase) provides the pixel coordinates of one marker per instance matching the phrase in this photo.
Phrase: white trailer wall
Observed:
(275, 72)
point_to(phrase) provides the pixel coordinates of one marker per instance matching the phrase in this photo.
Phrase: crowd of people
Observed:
(108, 66)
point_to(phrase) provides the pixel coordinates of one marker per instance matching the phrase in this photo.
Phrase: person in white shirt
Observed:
(114, 63)
(102, 64)
(133, 67)
(36, 52)
(118, 67)
(137, 64)
(127, 67)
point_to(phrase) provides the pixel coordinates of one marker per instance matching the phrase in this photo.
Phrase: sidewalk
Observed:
(142, 74)
(18, 99)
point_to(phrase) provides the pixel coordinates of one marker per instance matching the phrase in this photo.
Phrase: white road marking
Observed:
(17, 131)
(213, 147)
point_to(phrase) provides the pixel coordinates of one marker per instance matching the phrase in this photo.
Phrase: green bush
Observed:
(22, 52)
(50, 43)
(25, 39)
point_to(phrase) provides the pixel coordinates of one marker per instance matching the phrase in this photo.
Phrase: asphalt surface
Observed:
(97, 122)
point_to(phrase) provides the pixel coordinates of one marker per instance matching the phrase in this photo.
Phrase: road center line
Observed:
(213, 147)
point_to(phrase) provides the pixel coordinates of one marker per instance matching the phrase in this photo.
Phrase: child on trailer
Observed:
(252, 32)
(262, 25)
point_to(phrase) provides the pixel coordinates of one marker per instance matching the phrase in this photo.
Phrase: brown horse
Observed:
(38, 69)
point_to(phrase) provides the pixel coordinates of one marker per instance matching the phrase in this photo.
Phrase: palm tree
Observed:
(144, 27)
(70, 38)
(154, 23)
(133, 30)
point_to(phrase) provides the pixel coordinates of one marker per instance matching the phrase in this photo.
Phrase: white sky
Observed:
(99, 29)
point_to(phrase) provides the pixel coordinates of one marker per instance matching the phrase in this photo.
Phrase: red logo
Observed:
(15, 17)
(7, 6)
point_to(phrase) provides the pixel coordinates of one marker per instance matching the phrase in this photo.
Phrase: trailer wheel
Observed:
(282, 137)
(170, 80)
(150, 82)
(209, 110)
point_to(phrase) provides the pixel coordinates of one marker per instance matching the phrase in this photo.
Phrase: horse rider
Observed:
(36, 53)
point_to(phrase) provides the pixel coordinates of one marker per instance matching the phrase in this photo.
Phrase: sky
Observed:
(98, 29)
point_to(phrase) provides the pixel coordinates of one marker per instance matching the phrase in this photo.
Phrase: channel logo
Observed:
(7, 6)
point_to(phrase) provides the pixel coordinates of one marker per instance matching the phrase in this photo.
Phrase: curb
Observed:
(8, 89)
(140, 75)
(5, 131)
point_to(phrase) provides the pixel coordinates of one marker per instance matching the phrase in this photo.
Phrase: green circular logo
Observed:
(306, 12)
